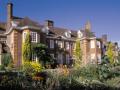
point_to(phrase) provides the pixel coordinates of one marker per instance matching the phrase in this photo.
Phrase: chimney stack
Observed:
(9, 14)
(49, 23)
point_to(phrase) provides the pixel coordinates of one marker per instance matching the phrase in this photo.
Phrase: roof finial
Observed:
(88, 26)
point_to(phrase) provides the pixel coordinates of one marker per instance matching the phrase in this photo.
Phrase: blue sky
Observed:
(104, 15)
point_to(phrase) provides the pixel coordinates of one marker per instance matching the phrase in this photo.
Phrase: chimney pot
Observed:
(49, 23)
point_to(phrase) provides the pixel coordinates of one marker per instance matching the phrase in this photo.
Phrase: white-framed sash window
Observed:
(24, 36)
(33, 36)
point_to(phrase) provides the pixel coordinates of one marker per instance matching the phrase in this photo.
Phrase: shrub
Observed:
(31, 68)
(115, 71)
(2, 67)
(88, 72)
(6, 59)
(114, 82)
(104, 72)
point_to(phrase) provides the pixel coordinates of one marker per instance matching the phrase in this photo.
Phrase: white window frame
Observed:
(92, 44)
(24, 36)
(34, 57)
(67, 45)
(51, 43)
(60, 44)
(34, 39)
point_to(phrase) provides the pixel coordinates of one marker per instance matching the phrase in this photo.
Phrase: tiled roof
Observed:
(27, 22)
(54, 31)
(87, 34)
(2, 28)
(61, 32)
(2, 25)
(16, 18)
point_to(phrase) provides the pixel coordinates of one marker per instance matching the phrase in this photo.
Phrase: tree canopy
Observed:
(110, 53)
(42, 53)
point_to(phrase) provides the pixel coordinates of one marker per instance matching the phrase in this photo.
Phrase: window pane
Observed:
(33, 36)
(92, 43)
(51, 43)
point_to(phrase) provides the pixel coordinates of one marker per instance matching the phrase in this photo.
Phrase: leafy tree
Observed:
(42, 53)
(77, 54)
(27, 48)
(110, 53)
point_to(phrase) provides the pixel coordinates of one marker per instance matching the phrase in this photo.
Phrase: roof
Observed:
(26, 22)
(2, 28)
(56, 31)
(2, 25)
(87, 33)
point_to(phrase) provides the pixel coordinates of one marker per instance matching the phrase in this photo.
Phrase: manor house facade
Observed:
(60, 41)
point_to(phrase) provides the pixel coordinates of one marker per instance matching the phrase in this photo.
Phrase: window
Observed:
(60, 44)
(34, 57)
(51, 43)
(80, 34)
(67, 46)
(24, 35)
(92, 44)
(67, 58)
(60, 58)
(33, 36)
(93, 56)
(68, 34)
(98, 44)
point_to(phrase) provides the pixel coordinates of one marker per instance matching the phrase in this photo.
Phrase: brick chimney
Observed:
(49, 23)
(9, 14)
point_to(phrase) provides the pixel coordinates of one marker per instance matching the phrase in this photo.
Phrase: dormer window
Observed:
(14, 23)
(68, 34)
(45, 30)
(80, 34)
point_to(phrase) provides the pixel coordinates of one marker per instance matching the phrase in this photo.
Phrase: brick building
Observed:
(60, 41)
